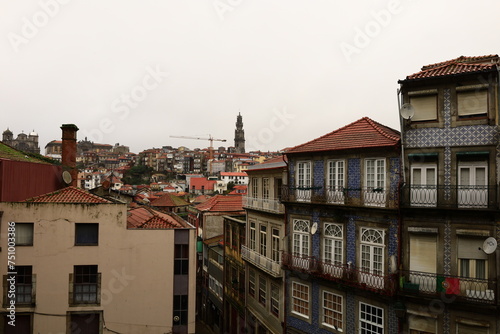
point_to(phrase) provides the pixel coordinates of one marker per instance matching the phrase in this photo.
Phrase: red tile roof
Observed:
(362, 133)
(69, 195)
(144, 217)
(169, 200)
(233, 174)
(222, 203)
(460, 65)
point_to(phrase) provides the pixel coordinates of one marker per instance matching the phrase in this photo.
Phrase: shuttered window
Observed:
(425, 107)
(472, 103)
(423, 253)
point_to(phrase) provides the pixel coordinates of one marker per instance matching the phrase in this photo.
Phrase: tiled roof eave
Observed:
(447, 76)
(395, 145)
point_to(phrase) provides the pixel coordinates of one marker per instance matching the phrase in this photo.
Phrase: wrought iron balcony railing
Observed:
(440, 196)
(357, 277)
(260, 261)
(270, 205)
(363, 196)
(464, 288)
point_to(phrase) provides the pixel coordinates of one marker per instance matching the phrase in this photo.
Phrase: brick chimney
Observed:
(69, 151)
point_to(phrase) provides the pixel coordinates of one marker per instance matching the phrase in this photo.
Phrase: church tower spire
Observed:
(239, 135)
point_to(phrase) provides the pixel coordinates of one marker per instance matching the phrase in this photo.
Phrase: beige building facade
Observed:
(80, 270)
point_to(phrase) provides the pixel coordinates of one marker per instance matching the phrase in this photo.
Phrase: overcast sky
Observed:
(138, 72)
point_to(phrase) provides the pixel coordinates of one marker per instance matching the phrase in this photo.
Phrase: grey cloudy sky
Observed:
(137, 72)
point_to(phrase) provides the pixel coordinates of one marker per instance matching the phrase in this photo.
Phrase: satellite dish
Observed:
(407, 111)
(314, 228)
(67, 177)
(490, 245)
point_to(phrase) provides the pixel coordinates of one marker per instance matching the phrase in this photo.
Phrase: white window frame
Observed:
(375, 181)
(275, 244)
(274, 306)
(303, 181)
(262, 290)
(335, 181)
(334, 315)
(24, 234)
(301, 242)
(263, 239)
(300, 299)
(252, 235)
(366, 317)
(255, 187)
(265, 188)
(372, 257)
(424, 193)
(475, 195)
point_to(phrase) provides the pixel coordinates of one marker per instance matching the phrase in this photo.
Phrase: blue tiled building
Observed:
(343, 241)
(449, 203)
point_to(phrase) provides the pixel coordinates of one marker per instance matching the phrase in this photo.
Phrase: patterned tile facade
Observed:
(393, 243)
(319, 177)
(351, 241)
(354, 177)
(350, 318)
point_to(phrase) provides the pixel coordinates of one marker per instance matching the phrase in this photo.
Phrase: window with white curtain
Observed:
(24, 234)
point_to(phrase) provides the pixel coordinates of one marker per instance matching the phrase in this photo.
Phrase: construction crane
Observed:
(210, 138)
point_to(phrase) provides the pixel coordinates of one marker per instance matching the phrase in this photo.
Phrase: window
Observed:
(421, 325)
(22, 324)
(472, 329)
(333, 250)
(275, 245)
(251, 282)
(180, 309)
(375, 182)
(85, 323)
(235, 239)
(86, 234)
(263, 240)
(303, 181)
(425, 107)
(472, 103)
(181, 261)
(332, 310)
(472, 184)
(335, 181)
(423, 184)
(215, 286)
(262, 290)
(86, 282)
(300, 239)
(255, 187)
(265, 188)
(423, 259)
(300, 299)
(472, 261)
(275, 300)
(24, 234)
(371, 319)
(252, 235)
(372, 257)
(24, 285)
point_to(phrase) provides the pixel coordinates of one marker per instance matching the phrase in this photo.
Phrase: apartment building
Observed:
(341, 258)
(450, 217)
(263, 249)
(84, 265)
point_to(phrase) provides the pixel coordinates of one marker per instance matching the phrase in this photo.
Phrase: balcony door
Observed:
(301, 234)
(472, 184)
(375, 182)
(335, 181)
(303, 181)
(423, 262)
(423, 185)
(372, 257)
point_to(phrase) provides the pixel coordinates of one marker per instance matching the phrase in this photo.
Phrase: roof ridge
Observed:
(329, 133)
(378, 127)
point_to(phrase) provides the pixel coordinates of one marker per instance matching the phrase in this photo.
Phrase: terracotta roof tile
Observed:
(460, 65)
(145, 217)
(69, 195)
(362, 133)
(169, 200)
(222, 203)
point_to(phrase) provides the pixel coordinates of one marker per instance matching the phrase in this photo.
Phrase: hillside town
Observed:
(365, 229)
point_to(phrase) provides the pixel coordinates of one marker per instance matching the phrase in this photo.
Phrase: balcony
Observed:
(464, 288)
(454, 197)
(364, 196)
(262, 262)
(347, 275)
(269, 205)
